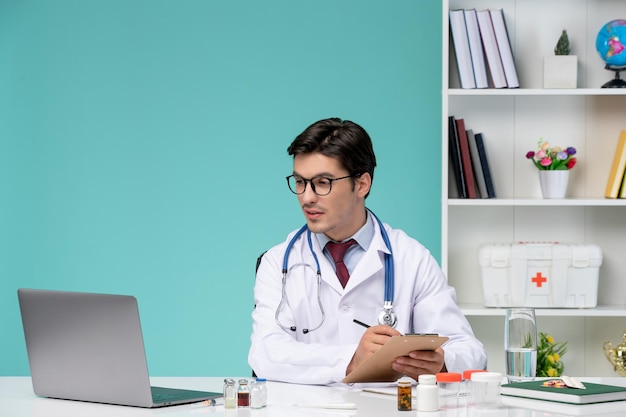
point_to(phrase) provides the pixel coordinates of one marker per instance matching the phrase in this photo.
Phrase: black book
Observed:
(484, 163)
(455, 157)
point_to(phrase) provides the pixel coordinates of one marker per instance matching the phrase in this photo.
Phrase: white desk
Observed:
(17, 400)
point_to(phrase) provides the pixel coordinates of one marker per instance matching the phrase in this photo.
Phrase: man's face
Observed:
(339, 214)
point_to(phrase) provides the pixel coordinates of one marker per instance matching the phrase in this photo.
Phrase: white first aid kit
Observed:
(540, 274)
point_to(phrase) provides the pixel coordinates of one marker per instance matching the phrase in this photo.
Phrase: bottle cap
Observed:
(427, 379)
(448, 377)
(487, 377)
(260, 379)
(404, 380)
(243, 381)
(467, 375)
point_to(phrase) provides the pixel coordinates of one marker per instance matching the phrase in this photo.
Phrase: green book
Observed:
(593, 393)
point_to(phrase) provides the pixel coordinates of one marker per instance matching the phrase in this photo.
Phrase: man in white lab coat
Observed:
(303, 328)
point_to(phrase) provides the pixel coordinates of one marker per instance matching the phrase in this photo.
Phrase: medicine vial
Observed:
(230, 393)
(465, 395)
(449, 388)
(427, 393)
(256, 396)
(263, 386)
(405, 394)
(243, 394)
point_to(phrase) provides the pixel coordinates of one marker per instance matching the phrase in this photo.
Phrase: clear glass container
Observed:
(243, 394)
(256, 395)
(230, 393)
(263, 386)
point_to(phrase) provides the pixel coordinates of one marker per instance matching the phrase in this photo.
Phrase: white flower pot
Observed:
(553, 183)
(560, 71)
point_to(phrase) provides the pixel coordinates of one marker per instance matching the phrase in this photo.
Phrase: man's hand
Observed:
(420, 362)
(372, 340)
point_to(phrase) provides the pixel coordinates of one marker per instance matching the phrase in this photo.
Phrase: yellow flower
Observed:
(550, 359)
(550, 339)
(552, 372)
(556, 357)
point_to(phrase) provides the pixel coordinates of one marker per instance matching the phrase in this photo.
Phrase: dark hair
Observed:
(343, 140)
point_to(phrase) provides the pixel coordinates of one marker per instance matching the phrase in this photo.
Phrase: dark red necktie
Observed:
(337, 251)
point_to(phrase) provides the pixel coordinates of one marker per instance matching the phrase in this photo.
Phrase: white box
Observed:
(540, 274)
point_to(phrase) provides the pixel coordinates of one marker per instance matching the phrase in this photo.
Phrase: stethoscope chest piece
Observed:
(387, 316)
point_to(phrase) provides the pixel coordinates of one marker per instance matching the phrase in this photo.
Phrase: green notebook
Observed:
(594, 393)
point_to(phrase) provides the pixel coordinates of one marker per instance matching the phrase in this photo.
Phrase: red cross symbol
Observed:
(539, 279)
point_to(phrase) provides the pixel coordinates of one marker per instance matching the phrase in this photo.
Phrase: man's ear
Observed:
(363, 184)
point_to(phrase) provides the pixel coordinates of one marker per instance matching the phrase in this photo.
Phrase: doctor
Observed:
(303, 322)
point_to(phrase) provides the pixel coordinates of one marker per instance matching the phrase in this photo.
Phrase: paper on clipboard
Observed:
(377, 368)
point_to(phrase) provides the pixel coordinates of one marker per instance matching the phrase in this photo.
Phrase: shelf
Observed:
(513, 202)
(536, 92)
(600, 311)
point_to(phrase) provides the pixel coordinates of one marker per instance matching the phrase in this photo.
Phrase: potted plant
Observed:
(553, 163)
(561, 69)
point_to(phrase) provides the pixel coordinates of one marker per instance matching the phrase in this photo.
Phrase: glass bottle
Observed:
(256, 396)
(405, 396)
(263, 386)
(243, 394)
(230, 393)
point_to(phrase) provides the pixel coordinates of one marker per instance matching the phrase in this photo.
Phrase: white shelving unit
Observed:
(512, 120)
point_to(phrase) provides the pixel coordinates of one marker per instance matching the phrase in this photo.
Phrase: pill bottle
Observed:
(230, 393)
(243, 394)
(405, 394)
(263, 385)
(486, 389)
(449, 388)
(427, 393)
(465, 395)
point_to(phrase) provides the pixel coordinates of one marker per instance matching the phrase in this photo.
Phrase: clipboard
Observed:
(377, 368)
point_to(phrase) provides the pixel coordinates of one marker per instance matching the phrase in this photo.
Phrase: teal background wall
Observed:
(143, 150)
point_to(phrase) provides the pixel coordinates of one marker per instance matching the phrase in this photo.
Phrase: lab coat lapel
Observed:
(371, 264)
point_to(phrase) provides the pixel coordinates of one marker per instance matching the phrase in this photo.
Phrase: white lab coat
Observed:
(423, 303)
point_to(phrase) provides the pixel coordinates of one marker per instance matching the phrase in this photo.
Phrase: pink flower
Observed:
(546, 161)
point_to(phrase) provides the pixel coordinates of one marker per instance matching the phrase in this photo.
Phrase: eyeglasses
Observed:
(320, 185)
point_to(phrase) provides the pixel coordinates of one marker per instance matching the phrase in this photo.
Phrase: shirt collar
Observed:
(363, 236)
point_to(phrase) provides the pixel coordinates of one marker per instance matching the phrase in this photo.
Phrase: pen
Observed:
(209, 403)
(361, 323)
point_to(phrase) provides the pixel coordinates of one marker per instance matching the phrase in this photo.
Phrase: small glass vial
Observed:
(256, 396)
(243, 394)
(405, 394)
(427, 393)
(449, 388)
(263, 386)
(230, 393)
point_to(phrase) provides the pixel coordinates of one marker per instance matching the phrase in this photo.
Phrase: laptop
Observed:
(89, 347)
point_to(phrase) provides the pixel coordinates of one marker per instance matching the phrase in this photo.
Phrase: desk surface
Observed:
(17, 400)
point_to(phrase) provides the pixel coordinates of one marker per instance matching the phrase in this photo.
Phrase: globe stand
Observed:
(616, 82)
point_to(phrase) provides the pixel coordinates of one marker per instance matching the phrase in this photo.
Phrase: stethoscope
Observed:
(386, 316)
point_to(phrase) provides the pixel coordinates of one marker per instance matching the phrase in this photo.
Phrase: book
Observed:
(622, 189)
(455, 157)
(504, 47)
(476, 164)
(594, 393)
(618, 166)
(476, 49)
(461, 48)
(484, 162)
(466, 159)
(377, 368)
(490, 46)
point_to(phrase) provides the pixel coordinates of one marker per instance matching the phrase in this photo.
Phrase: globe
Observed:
(611, 43)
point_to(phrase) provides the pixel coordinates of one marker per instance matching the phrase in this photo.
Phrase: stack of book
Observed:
(468, 159)
(482, 48)
(616, 184)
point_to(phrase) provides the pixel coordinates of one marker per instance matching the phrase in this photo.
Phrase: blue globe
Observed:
(611, 42)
